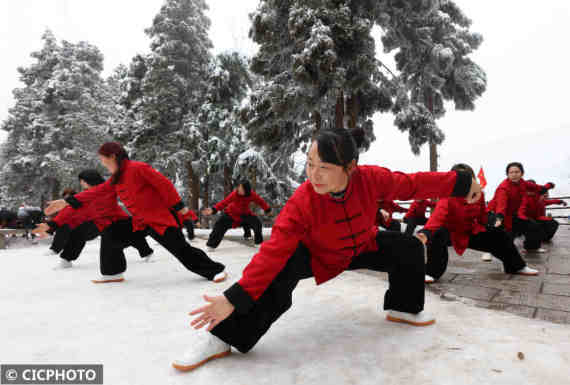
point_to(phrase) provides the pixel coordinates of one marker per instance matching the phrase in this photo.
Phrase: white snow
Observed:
(333, 334)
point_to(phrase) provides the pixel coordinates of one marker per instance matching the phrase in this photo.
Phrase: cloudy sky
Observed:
(523, 115)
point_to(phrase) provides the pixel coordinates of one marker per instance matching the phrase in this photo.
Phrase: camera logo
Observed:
(11, 375)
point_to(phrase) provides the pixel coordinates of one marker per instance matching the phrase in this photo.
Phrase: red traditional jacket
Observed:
(336, 230)
(533, 206)
(236, 205)
(418, 208)
(148, 195)
(459, 218)
(189, 216)
(390, 207)
(508, 198)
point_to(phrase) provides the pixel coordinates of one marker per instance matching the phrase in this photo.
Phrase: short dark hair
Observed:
(246, 186)
(463, 167)
(91, 177)
(514, 164)
(339, 146)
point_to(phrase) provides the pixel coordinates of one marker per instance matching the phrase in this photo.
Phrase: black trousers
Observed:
(549, 228)
(533, 232)
(405, 292)
(189, 225)
(394, 226)
(494, 241)
(119, 235)
(225, 222)
(73, 241)
(412, 223)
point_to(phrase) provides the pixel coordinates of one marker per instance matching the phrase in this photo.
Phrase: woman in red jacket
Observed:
(507, 201)
(325, 228)
(236, 213)
(154, 205)
(464, 226)
(416, 214)
(533, 209)
(73, 228)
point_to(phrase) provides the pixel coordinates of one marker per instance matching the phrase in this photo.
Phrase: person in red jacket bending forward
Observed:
(533, 210)
(464, 225)
(236, 212)
(155, 207)
(325, 228)
(73, 228)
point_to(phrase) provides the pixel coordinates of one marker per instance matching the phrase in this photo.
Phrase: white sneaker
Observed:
(210, 249)
(541, 250)
(148, 258)
(220, 277)
(63, 264)
(420, 319)
(208, 348)
(50, 252)
(487, 257)
(527, 271)
(429, 279)
(109, 278)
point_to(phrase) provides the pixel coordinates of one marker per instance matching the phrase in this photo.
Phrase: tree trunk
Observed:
(318, 121)
(193, 188)
(339, 111)
(253, 178)
(55, 193)
(353, 110)
(432, 145)
(228, 187)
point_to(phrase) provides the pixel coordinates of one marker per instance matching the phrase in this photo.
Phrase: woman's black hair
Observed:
(514, 164)
(113, 148)
(339, 146)
(246, 186)
(91, 177)
(463, 167)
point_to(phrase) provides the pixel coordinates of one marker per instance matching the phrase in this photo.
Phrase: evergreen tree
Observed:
(317, 59)
(432, 43)
(57, 122)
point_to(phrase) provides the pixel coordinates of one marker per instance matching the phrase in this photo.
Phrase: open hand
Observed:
(54, 206)
(218, 309)
(207, 211)
(41, 229)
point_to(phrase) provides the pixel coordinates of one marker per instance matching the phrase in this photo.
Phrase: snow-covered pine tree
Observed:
(173, 79)
(57, 122)
(432, 42)
(318, 62)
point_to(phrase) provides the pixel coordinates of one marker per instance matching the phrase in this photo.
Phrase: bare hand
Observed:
(41, 230)
(422, 237)
(474, 193)
(385, 214)
(498, 222)
(207, 211)
(54, 206)
(218, 309)
(184, 211)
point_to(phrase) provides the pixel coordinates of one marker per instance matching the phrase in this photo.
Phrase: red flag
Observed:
(481, 176)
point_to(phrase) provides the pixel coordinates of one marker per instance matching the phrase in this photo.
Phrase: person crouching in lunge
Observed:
(326, 227)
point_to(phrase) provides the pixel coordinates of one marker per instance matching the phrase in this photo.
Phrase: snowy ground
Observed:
(334, 334)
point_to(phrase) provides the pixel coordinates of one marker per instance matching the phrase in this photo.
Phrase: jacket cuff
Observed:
(427, 233)
(239, 298)
(52, 225)
(177, 207)
(462, 184)
(73, 202)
